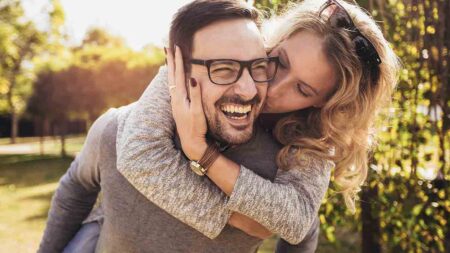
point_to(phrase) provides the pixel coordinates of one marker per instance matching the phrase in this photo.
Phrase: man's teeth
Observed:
(236, 108)
(235, 111)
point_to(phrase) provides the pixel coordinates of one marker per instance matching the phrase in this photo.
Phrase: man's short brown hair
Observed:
(201, 13)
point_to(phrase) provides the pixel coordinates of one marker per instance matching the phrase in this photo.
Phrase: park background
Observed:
(52, 87)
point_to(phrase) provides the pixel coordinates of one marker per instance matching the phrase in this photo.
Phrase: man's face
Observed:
(230, 110)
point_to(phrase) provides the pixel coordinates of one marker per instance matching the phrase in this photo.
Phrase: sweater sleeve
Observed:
(148, 159)
(288, 206)
(76, 193)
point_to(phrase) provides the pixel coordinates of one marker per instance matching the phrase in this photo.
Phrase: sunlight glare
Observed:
(139, 22)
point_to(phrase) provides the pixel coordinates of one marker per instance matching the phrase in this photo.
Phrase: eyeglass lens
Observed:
(229, 71)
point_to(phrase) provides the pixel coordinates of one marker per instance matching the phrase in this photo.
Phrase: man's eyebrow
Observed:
(310, 87)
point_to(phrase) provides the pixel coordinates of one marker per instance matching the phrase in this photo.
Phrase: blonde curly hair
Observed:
(343, 130)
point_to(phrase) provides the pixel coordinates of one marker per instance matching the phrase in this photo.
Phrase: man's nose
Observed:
(245, 87)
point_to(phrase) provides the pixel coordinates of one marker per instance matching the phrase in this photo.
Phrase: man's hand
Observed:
(249, 226)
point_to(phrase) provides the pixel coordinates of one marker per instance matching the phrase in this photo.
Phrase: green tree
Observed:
(100, 73)
(19, 43)
(414, 151)
(100, 37)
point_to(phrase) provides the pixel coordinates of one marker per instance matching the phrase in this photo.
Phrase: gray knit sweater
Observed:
(131, 223)
(147, 158)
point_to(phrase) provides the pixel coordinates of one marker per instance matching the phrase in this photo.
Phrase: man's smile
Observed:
(236, 111)
(238, 116)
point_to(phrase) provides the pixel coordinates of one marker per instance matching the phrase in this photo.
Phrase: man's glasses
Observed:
(339, 17)
(227, 71)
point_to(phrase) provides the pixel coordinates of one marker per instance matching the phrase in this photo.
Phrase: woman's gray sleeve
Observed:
(148, 159)
(288, 206)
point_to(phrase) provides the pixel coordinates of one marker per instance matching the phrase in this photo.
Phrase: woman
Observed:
(336, 72)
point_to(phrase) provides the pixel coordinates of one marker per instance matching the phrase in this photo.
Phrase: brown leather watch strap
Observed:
(209, 157)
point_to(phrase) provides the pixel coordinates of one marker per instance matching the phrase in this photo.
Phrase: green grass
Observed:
(28, 181)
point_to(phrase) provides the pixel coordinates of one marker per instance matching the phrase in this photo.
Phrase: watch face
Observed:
(197, 168)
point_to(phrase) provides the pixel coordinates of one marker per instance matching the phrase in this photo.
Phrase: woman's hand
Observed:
(249, 226)
(187, 108)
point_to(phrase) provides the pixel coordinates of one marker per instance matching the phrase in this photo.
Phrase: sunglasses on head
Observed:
(340, 18)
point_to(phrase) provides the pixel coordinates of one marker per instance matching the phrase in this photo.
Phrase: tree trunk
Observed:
(62, 133)
(41, 145)
(63, 145)
(45, 127)
(14, 126)
(41, 136)
(14, 119)
(371, 232)
(38, 124)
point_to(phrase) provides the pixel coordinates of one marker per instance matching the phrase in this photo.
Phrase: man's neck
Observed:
(220, 144)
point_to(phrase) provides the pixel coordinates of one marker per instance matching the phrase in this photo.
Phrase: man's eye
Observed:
(223, 72)
(260, 66)
(222, 69)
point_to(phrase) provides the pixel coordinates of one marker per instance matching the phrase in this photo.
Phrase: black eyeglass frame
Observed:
(242, 66)
(373, 58)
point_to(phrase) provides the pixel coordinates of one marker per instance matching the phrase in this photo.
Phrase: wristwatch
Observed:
(197, 168)
(201, 166)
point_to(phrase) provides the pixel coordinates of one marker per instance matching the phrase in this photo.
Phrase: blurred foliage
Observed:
(404, 205)
(53, 82)
(101, 73)
(411, 165)
(271, 7)
(20, 41)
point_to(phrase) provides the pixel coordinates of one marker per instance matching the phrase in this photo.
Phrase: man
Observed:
(131, 222)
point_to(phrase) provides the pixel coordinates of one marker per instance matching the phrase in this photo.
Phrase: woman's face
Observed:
(304, 77)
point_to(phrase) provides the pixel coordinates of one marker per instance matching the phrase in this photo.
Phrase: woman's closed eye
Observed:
(302, 92)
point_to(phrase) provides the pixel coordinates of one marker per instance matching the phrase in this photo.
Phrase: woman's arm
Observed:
(148, 159)
(286, 207)
(294, 198)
